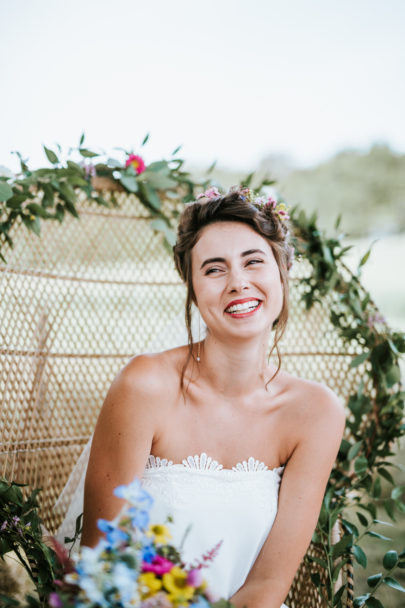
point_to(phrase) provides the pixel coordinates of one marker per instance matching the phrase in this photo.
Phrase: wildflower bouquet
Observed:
(133, 565)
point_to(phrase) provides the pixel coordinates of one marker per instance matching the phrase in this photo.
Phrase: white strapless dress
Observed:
(236, 506)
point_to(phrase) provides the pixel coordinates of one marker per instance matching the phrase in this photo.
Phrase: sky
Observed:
(230, 80)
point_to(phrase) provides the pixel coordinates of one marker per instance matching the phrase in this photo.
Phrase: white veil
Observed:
(70, 501)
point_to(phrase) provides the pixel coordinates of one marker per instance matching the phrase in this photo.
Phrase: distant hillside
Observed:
(368, 188)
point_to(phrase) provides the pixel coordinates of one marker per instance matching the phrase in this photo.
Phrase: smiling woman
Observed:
(225, 442)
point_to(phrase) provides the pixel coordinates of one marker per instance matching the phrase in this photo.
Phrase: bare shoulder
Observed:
(137, 403)
(315, 404)
(153, 376)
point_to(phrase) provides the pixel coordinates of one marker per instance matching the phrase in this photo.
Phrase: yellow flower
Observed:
(175, 582)
(160, 533)
(149, 584)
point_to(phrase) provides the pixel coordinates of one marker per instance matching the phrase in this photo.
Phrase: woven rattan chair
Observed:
(75, 305)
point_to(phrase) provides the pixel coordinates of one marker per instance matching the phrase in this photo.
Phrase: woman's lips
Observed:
(239, 314)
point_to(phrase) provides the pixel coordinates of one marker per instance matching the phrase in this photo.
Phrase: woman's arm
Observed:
(318, 425)
(122, 440)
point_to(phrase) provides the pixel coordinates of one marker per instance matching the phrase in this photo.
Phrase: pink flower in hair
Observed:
(211, 193)
(271, 202)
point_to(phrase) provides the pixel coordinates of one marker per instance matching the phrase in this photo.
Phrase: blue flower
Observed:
(200, 603)
(139, 517)
(115, 536)
(135, 494)
(148, 553)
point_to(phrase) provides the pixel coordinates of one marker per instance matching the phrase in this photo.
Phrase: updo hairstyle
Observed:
(232, 207)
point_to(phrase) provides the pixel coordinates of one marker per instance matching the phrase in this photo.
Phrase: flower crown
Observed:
(246, 194)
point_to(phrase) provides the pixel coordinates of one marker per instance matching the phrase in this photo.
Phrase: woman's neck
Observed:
(234, 369)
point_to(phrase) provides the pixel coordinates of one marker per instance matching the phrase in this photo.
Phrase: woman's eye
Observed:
(211, 270)
(255, 262)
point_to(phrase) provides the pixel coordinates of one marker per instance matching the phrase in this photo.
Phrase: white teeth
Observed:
(245, 307)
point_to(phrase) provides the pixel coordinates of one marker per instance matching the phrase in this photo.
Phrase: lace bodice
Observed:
(203, 462)
(236, 506)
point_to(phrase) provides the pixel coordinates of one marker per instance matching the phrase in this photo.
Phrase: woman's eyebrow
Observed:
(242, 255)
(210, 260)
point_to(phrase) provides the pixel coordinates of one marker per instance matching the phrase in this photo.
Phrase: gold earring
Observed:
(198, 344)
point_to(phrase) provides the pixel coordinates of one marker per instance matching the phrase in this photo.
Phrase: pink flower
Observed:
(159, 565)
(374, 319)
(271, 202)
(136, 162)
(211, 193)
(195, 578)
(157, 601)
(54, 600)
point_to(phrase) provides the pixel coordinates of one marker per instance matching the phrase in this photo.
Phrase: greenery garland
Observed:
(49, 193)
(376, 415)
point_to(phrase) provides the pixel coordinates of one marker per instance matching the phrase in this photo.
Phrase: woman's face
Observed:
(236, 280)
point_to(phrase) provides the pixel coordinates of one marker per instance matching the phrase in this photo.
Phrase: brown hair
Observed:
(232, 207)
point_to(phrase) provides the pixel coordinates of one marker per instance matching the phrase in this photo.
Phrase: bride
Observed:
(229, 445)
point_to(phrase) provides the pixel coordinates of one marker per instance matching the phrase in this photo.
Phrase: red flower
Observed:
(136, 162)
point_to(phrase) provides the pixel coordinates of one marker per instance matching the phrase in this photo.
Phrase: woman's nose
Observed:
(237, 280)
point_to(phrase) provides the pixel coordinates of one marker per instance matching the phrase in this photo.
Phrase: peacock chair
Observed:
(76, 304)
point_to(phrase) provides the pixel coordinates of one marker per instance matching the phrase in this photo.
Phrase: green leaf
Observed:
(72, 165)
(246, 182)
(129, 182)
(365, 258)
(391, 582)
(393, 376)
(384, 473)
(67, 193)
(377, 535)
(48, 198)
(389, 506)
(318, 560)
(361, 465)
(360, 599)
(376, 490)
(360, 556)
(359, 359)
(36, 209)
(151, 196)
(87, 153)
(6, 191)
(211, 167)
(51, 156)
(158, 180)
(390, 559)
(397, 492)
(32, 224)
(315, 578)
(158, 224)
(340, 547)
(145, 139)
(374, 579)
(59, 212)
(160, 165)
(362, 519)
(373, 602)
(354, 450)
(81, 139)
(176, 150)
